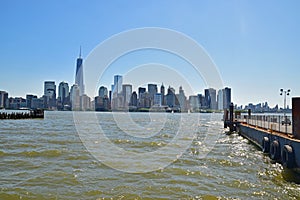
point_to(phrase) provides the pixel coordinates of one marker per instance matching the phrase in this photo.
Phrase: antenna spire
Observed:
(80, 51)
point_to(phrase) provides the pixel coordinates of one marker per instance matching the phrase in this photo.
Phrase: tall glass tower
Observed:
(79, 73)
(118, 82)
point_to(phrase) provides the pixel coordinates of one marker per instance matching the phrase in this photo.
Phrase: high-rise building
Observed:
(85, 102)
(141, 91)
(75, 97)
(3, 99)
(29, 99)
(226, 97)
(181, 99)
(49, 88)
(117, 100)
(211, 98)
(194, 103)
(63, 93)
(202, 101)
(118, 82)
(157, 99)
(171, 97)
(133, 99)
(220, 99)
(49, 95)
(17, 103)
(152, 90)
(162, 91)
(103, 92)
(127, 91)
(79, 74)
(144, 100)
(102, 103)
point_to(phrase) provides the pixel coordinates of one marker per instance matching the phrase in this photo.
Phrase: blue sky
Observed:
(255, 44)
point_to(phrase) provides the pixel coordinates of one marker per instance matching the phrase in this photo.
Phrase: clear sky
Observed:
(255, 44)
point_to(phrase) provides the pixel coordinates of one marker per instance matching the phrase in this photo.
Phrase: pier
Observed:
(277, 136)
(32, 114)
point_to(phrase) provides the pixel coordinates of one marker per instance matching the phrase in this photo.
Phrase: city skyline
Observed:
(64, 99)
(255, 47)
(76, 99)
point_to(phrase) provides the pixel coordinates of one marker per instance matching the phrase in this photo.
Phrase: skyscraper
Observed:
(152, 89)
(141, 91)
(118, 81)
(75, 97)
(194, 103)
(63, 92)
(162, 91)
(157, 99)
(3, 99)
(29, 99)
(103, 92)
(49, 94)
(211, 98)
(49, 88)
(171, 97)
(220, 99)
(181, 99)
(79, 74)
(127, 91)
(133, 99)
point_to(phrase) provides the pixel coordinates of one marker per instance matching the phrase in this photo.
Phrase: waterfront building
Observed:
(162, 91)
(102, 103)
(75, 97)
(202, 101)
(181, 99)
(194, 103)
(220, 99)
(110, 96)
(79, 74)
(85, 102)
(210, 98)
(145, 100)
(4, 99)
(37, 103)
(63, 100)
(103, 92)
(117, 101)
(157, 99)
(133, 99)
(49, 95)
(118, 82)
(127, 91)
(17, 103)
(141, 92)
(171, 97)
(152, 90)
(29, 99)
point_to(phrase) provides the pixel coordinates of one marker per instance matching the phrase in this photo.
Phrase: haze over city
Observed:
(255, 48)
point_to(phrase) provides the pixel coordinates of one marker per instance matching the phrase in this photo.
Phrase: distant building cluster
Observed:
(158, 98)
(262, 108)
(120, 97)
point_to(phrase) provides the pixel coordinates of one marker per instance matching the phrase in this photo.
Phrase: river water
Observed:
(52, 159)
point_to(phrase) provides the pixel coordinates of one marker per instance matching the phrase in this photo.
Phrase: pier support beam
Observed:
(231, 126)
(296, 116)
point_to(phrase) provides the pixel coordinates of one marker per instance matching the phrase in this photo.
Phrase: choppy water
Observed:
(45, 159)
